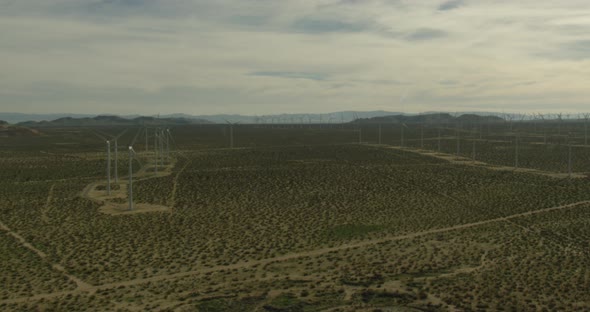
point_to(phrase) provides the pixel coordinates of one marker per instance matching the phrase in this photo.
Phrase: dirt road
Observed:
(84, 287)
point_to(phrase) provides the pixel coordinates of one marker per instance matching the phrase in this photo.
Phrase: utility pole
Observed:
(379, 134)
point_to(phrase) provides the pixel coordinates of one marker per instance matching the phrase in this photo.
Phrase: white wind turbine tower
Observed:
(586, 117)
(516, 151)
(231, 134)
(108, 169)
(117, 155)
(422, 136)
(543, 128)
(458, 133)
(168, 144)
(360, 130)
(559, 121)
(569, 157)
(360, 134)
(473, 150)
(132, 154)
(161, 141)
(156, 150)
(403, 125)
(130, 187)
(146, 140)
(438, 139)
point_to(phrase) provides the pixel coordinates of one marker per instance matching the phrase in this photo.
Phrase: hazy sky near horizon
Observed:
(290, 56)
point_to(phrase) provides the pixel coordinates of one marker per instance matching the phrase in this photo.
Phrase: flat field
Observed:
(291, 219)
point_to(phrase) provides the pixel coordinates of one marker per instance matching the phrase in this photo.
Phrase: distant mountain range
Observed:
(334, 117)
(430, 118)
(12, 131)
(111, 121)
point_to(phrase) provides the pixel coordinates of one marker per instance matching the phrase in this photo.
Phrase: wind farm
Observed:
(401, 211)
(294, 156)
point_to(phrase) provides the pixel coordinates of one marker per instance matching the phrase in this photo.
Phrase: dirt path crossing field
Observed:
(84, 287)
(469, 162)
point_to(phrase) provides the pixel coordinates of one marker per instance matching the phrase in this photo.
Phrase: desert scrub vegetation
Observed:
(23, 273)
(275, 226)
(248, 205)
(24, 167)
(535, 269)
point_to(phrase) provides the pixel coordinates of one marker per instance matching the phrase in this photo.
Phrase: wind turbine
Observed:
(156, 149)
(130, 187)
(146, 140)
(168, 144)
(458, 133)
(108, 169)
(116, 138)
(231, 133)
(559, 121)
(569, 158)
(422, 136)
(542, 117)
(586, 117)
(360, 135)
(403, 125)
(161, 139)
(473, 150)
(438, 148)
(516, 151)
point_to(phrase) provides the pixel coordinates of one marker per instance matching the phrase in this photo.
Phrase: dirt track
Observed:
(473, 163)
(84, 287)
(142, 174)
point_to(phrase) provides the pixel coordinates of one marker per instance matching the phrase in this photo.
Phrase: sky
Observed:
(293, 56)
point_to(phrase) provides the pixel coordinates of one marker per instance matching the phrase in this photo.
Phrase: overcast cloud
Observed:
(288, 56)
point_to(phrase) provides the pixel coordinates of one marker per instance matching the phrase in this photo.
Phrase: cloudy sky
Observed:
(291, 56)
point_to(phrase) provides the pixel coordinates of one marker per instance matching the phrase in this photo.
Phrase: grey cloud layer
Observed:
(202, 56)
(450, 5)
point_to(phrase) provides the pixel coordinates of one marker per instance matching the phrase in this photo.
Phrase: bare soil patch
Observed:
(115, 209)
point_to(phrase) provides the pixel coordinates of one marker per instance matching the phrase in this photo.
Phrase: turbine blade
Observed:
(120, 134)
(98, 135)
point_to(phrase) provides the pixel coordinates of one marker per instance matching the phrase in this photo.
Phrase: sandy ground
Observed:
(123, 209)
